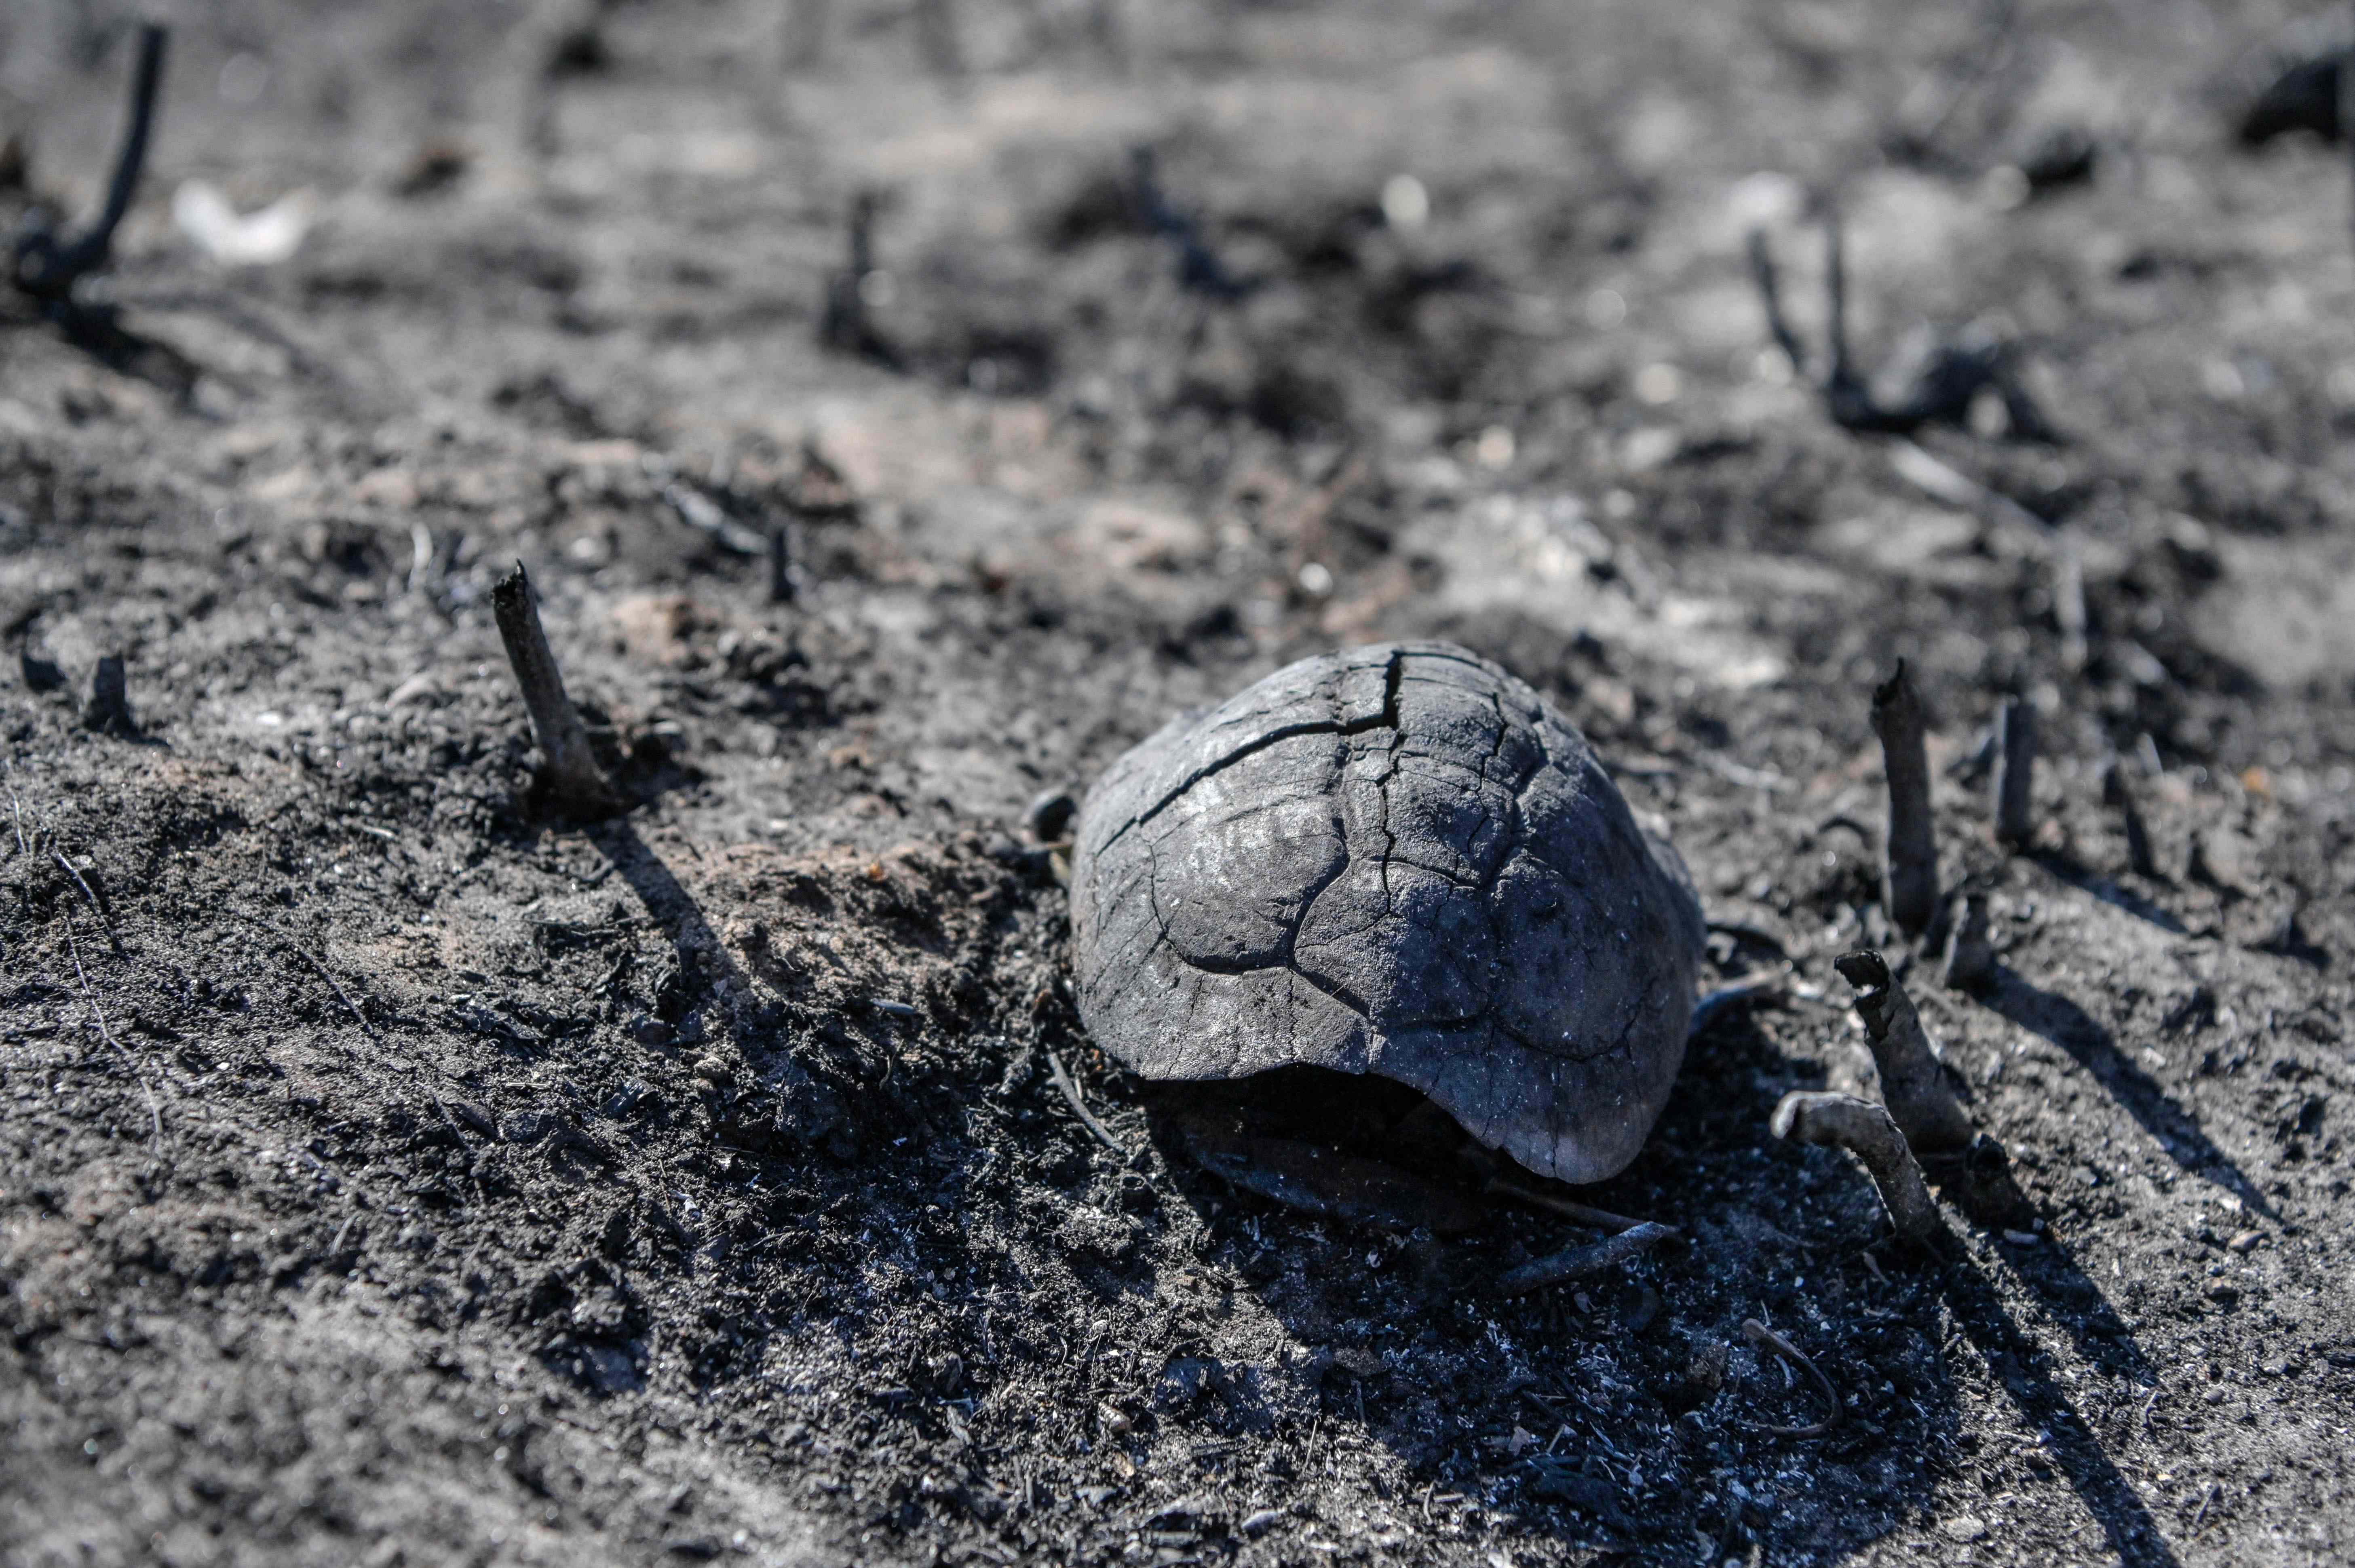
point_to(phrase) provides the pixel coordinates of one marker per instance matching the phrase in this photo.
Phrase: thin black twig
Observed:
(1970, 955)
(1582, 1262)
(98, 1016)
(96, 908)
(1908, 885)
(1585, 1213)
(47, 268)
(844, 326)
(2117, 793)
(337, 987)
(1943, 390)
(1762, 1337)
(1070, 1091)
(1912, 1079)
(1871, 1133)
(2015, 776)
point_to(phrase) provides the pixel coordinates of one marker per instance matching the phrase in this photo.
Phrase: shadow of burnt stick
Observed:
(2054, 1017)
(2011, 1355)
(775, 1106)
(2086, 879)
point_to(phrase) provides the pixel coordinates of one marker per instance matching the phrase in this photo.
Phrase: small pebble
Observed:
(1263, 1521)
(2019, 1238)
(2245, 1241)
(1964, 1527)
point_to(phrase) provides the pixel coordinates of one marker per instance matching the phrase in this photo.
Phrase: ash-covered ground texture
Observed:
(393, 1175)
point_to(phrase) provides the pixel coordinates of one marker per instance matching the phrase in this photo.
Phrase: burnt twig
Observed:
(1970, 956)
(1871, 1133)
(2117, 793)
(1762, 1337)
(576, 785)
(1908, 885)
(108, 711)
(72, 869)
(47, 268)
(782, 590)
(2015, 773)
(1942, 389)
(1580, 1262)
(1070, 1092)
(844, 326)
(1585, 1213)
(155, 1114)
(2069, 600)
(1912, 1079)
(1726, 999)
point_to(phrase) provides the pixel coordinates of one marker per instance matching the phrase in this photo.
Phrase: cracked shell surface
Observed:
(1396, 860)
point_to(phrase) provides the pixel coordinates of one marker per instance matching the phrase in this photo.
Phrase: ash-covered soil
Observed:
(390, 1174)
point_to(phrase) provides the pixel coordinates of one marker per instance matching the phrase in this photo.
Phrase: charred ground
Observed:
(391, 1176)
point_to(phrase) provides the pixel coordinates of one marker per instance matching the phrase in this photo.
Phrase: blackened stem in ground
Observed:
(98, 1017)
(1970, 956)
(2015, 773)
(577, 786)
(1569, 1208)
(48, 269)
(1762, 1337)
(1913, 1080)
(780, 564)
(2118, 793)
(1070, 1092)
(1583, 1262)
(1909, 855)
(1871, 1134)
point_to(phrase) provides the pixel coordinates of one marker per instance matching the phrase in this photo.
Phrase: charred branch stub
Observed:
(2118, 794)
(1583, 1262)
(47, 267)
(1766, 1342)
(780, 564)
(844, 326)
(1970, 956)
(575, 785)
(1871, 1134)
(1912, 1079)
(2015, 773)
(1049, 816)
(1942, 389)
(109, 708)
(1910, 869)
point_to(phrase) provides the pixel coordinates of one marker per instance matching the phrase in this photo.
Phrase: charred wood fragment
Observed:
(1912, 1079)
(575, 785)
(1583, 1262)
(2015, 773)
(1909, 886)
(1871, 1134)
(2118, 794)
(109, 708)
